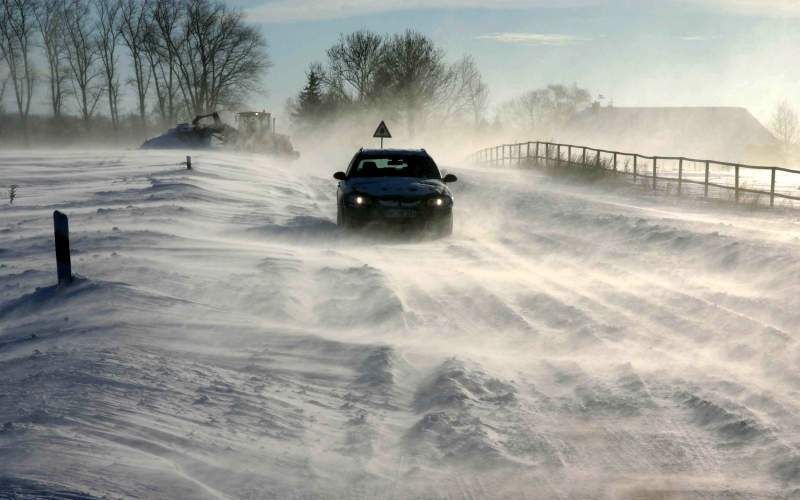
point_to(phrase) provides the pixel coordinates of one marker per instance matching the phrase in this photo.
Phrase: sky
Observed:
(634, 53)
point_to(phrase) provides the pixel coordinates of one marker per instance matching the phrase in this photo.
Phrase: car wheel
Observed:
(445, 228)
(345, 222)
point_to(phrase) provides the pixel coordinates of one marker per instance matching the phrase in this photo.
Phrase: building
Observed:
(720, 133)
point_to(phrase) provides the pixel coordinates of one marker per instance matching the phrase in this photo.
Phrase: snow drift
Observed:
(225, 340)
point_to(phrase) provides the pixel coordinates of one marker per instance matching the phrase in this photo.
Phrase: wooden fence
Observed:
(709, 178)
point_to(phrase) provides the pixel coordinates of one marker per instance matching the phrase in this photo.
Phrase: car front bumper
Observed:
(399, 215)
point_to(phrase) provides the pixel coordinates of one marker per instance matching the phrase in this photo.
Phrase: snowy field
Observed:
(225, 341)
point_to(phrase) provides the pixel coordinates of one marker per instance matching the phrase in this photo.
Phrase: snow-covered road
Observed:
(226, 341)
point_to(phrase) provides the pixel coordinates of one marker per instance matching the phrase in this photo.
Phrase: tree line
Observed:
(186, 57)
(405, 76)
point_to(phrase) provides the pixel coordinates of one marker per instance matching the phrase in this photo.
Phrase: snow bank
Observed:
(225, 340)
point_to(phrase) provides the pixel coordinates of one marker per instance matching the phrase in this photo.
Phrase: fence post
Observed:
(597, 160)
(569, 156)
(188, 163)
(736, 185)
(615, 162)
(655, 162)
(635, 167)
(772, 189)
(546, 154)
(680, 176)
(528, 153)
(519, 153)
(558, 155)
(707, 176)
(583, 160)
(63, 264)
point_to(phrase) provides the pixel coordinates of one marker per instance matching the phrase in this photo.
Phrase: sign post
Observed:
(383, 132)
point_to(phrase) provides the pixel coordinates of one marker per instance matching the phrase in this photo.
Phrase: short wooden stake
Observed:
(188, 163)
(63, 264)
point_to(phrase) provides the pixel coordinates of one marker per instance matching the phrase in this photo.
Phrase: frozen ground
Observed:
(225, 341)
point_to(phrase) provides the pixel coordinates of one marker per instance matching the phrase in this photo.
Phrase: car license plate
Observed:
(400, 213)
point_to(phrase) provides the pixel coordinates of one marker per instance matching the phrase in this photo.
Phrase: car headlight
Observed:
(360, 200)
(440, 202)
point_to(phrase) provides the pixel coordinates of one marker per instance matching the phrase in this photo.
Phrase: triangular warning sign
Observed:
(382, 131)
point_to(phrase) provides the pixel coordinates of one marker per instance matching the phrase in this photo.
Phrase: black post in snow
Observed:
(188, 163)
(61, 230)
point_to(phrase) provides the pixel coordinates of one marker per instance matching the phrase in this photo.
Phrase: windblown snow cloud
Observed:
(768, 8)
(698, 38)
(535, 38)
(279, 11)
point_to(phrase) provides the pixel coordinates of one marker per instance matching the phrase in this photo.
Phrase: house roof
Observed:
(724, 133)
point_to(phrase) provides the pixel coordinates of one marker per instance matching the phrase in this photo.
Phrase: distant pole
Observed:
(655, 174)
(188, 162)
(381, 142)
(546, 154)
(772, 189)
(63, 264)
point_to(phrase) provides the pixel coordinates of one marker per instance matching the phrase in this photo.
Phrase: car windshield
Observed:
(397, 166)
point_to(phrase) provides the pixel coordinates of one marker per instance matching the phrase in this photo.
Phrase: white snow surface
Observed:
(225, 341)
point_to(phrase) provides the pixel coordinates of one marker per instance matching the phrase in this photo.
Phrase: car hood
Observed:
(400, 186)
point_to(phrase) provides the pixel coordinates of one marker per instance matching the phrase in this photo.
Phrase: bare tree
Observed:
(219, 58)
(785, 124)
(50, 22)
(413, 75)
(16, 33)
(83, 57)
(355, 61)
(133, 27)
(161, 46)
(108, 34)
(544, 111)
(464, 94)
(3, 87)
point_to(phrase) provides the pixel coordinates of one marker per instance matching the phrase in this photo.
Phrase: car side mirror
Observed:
(341, 176)
(449, 178)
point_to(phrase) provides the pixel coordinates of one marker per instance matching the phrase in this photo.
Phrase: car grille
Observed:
(399, 203)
